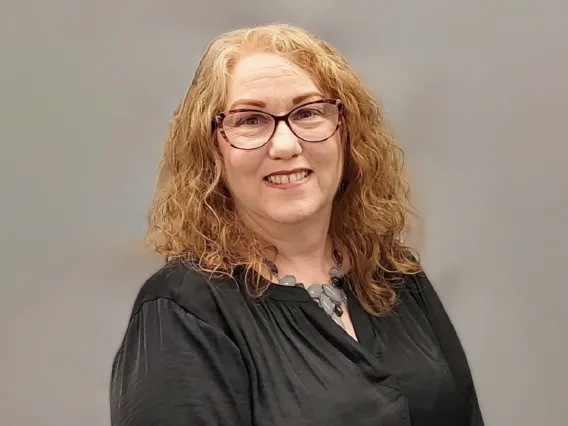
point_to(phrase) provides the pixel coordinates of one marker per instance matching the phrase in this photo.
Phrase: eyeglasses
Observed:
(251, 129)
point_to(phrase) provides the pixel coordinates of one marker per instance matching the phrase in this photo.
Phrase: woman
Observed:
(288, 297)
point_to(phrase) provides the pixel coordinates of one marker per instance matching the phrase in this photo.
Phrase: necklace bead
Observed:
(333, 292)
(288, 280)
(327, 296)
(315, 290)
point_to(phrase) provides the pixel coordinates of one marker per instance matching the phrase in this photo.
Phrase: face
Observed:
(287, 180)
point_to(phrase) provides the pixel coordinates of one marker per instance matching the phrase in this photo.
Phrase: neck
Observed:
(304, 248)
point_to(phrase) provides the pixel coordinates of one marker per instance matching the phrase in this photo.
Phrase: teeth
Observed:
(291, 178)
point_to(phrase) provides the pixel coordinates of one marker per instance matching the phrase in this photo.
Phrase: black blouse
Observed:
(198, 351)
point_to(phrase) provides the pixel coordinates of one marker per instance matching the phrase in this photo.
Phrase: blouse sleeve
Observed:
(449, 343)
(174, 369)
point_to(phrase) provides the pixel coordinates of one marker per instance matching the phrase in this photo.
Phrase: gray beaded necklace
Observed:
(330, 297)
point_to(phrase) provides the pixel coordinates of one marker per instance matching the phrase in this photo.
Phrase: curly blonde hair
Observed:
(193, 216)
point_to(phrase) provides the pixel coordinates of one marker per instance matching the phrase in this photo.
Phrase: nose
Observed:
(284, 144)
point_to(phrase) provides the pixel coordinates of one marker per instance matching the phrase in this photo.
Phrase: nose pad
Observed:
(283, 128)
(284, 143)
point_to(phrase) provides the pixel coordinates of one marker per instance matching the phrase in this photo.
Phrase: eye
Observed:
(307, 113)
(251, 120)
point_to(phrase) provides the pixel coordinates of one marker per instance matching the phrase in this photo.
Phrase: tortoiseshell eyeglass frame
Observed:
(217, 122)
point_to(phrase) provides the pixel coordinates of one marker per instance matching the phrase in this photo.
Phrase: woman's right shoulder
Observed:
(193, 290)
(178, 355)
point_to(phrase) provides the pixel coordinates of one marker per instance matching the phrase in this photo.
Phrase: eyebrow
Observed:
(256, 103)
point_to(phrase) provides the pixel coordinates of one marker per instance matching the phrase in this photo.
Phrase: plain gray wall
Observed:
(478, 96)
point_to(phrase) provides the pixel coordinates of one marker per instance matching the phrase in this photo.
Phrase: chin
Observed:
(292, 214)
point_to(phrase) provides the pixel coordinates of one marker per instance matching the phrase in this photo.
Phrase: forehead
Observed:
(268, 78)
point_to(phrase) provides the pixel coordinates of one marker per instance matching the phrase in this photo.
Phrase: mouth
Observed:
(288, 177)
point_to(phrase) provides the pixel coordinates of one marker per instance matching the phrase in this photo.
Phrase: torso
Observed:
(306, 370)
(348, 324)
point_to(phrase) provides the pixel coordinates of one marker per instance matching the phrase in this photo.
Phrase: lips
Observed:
(290, 176)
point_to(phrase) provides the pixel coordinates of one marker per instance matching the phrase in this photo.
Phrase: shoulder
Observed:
(419, 287)
(416, 282)
(192, 290)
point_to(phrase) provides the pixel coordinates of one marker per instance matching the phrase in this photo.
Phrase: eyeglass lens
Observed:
(250, 129)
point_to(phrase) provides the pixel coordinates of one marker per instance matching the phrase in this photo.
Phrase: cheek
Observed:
(333, 166)
(230, 158)
(329, 159)
(241, 169)
(339, 154)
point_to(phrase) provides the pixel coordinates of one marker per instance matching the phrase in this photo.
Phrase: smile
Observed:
(288, 179)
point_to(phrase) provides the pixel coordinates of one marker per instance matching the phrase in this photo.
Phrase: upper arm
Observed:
(449, 341)
(441, 324)
(174, 369)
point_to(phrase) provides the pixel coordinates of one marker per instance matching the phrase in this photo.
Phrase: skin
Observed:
(270, 83)
(295, 219)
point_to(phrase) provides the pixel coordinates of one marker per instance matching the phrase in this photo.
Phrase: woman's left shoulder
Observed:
(418, 286)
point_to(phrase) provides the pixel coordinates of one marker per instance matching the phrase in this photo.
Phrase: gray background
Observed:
(477, 94)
